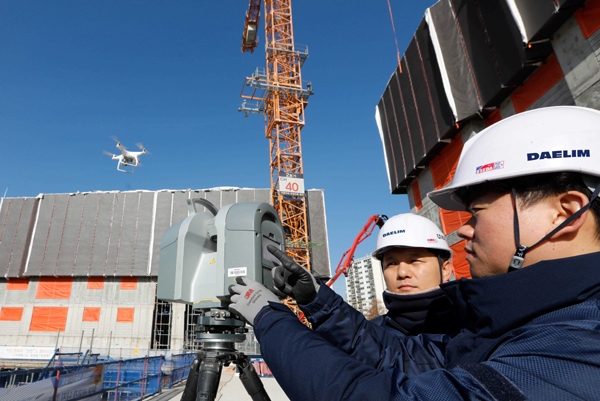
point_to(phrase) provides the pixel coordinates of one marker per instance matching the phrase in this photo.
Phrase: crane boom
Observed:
(348, 256)
(250, 37)
(278, 93)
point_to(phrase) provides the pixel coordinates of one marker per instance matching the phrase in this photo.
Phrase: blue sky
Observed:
(169, 74)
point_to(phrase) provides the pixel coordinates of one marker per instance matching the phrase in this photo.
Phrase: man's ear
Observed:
(566, 205)
(447, 269)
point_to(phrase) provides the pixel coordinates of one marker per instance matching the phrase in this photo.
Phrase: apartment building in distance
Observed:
(365, 286)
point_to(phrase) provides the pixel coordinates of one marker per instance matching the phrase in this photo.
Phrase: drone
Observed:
(127, 160)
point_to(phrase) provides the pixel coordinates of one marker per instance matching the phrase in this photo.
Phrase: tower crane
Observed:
(277, 91)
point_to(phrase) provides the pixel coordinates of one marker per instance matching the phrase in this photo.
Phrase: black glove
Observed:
(292, 279)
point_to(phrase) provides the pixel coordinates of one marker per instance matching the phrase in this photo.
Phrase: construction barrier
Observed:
(176, 369)
(124, 380)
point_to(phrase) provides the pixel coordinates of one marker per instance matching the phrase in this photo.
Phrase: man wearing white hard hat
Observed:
(415, 260)
(530, 317)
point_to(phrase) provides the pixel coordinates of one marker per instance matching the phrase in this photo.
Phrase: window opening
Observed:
(161, 325)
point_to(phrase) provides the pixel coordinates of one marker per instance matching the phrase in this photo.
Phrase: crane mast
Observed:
(278, 92)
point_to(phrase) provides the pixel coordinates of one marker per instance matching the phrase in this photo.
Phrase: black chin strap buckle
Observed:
(517, 260)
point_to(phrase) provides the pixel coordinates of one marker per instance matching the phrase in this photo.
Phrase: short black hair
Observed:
(444, 255)
(533, 188)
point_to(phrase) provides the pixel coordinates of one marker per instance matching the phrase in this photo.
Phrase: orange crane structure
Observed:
(277, 91)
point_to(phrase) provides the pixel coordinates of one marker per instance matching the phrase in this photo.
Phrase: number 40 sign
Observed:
(291, 184)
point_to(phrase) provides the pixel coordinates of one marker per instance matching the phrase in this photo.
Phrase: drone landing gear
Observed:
(123, 167)
(218, 334)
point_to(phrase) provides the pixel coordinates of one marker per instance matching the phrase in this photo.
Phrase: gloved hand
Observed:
(292, 279)
(248, 297)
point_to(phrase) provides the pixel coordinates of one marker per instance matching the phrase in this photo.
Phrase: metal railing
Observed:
(123, 380)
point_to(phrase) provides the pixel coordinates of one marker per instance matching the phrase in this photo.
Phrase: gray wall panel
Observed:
(576, 57)
(109, 231)
(318, 233)
(44, 254)
(162, 221)
(83, 253)
(16, 218)
(71, 237)
(559, 94)
(228, 197)
(246, 195)
(262, 195)
(214, 197)
(590, 98)
(140, 251)
(116, 233)
(128, 238)
(180, 210)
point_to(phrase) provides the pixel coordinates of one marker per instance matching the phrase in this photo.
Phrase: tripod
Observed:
(217, 331)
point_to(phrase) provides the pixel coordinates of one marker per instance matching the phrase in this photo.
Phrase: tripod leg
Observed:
(209, 375)
(189, 394)
(251, 381)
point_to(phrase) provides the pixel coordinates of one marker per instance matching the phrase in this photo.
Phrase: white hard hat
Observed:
(410, 231)
(545, 140)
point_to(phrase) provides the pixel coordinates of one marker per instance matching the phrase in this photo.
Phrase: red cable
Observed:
(395, 36)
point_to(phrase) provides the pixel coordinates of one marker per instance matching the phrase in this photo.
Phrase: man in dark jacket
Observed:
(530, 318)
(415, 260)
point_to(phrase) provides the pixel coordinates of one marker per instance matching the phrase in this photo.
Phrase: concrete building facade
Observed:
(82, 268)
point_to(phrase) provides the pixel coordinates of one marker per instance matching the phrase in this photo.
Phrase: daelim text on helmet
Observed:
(558, 154)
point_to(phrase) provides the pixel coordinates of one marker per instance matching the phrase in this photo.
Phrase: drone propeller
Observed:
(142, 148)
(114, 138)
(108, 153)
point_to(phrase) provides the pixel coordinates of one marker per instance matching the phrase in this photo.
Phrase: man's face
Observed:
(411, 270)
(490, 233)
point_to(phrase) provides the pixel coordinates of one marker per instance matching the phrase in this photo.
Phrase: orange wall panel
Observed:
(417, 195)
(459, 263)
(493, 118)
(539, 83)
(54, 288)
(125, 315)
(452, 221)
(443, 165)
(17, 284)
(11, 314)
(49, 318)
(95, 283)
(588, 18)
(91, 315)
(129, 283)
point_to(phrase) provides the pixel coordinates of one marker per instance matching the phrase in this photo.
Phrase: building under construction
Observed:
(469, 64)
(83, 267)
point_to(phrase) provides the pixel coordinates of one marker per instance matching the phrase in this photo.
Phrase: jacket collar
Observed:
(493, 305)
(417, 313)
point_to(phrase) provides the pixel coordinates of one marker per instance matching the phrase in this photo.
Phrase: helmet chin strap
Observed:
(441, 273)
(517, 260)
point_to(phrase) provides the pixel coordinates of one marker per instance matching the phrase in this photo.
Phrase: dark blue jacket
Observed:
(423, 312)
(347, 329)
(530, 334)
